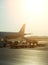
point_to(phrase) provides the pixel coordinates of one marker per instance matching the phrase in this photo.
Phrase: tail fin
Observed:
(22, 30)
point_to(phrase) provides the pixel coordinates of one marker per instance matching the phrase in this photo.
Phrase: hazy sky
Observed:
(34, 13)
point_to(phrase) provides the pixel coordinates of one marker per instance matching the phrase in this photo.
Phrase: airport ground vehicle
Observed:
(23, 44)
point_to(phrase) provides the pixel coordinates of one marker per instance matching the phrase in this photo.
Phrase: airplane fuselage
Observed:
(10, 35)
(38, 38)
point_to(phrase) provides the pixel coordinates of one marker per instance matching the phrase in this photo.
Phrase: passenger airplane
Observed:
(13, 35)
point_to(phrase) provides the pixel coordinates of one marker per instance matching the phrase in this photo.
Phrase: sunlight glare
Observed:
(34, 6)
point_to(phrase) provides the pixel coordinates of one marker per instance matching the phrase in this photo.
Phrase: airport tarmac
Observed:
(23, 56)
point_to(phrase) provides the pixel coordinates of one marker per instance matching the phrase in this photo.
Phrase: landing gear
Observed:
(33, 44)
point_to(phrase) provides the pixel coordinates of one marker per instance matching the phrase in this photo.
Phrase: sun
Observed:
(34, 6)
